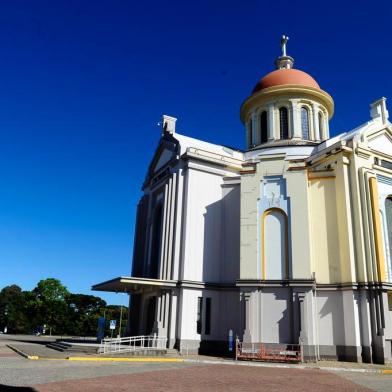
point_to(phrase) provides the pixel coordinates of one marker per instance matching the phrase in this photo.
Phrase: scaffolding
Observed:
(268, 352)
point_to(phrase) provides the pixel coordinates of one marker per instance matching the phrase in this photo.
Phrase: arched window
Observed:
(388, 218)
(283, 123)
(321, 124)
(250, 133)
(305, 122)
(263, 127)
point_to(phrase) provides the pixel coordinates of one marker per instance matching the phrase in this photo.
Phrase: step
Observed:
(57, 346)
(64, 346)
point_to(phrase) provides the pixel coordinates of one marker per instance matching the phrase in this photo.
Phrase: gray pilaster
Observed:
(271, 123)
(247, 337)
(316, 128)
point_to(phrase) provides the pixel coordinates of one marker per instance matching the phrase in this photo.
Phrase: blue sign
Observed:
(112, 324)
(231, 340)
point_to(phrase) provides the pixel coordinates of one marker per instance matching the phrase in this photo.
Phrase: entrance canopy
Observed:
(134, 285)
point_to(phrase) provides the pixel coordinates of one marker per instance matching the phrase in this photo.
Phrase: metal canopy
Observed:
(130, 284)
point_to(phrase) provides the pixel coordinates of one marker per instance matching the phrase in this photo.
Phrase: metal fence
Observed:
(268, 352)
(132, 344)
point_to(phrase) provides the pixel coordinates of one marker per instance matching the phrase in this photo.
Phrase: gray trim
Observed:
(121, 283)
(275, 283)
(134, 284)
(190, 284)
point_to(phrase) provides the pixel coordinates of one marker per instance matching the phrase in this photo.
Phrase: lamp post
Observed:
(6, 319)
(119, 331)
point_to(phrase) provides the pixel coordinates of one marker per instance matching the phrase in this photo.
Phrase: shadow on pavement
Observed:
(43, 342)
(7, 388)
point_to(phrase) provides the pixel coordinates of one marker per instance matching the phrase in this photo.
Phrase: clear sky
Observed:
(84, 83)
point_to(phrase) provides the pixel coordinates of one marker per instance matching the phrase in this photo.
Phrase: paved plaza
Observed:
(53, 375)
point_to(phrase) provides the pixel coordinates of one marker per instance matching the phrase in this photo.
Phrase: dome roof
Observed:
(286, 76)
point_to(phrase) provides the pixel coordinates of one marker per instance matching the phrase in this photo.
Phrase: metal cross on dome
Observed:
(283, 42)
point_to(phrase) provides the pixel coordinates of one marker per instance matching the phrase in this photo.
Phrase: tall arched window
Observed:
(305, 122)
(250, 133)
(283, 123)
(263, 127)
(321, 124)
(388, 218)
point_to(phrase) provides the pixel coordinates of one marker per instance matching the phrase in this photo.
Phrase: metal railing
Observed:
(132, 344)
(267, 352)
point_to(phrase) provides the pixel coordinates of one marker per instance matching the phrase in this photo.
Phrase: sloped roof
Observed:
(187, 142)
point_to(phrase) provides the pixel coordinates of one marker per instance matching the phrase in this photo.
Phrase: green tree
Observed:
(84, 311)
(51, 306)
(12, 315)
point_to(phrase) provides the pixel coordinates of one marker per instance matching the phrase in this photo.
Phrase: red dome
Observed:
(286, 76)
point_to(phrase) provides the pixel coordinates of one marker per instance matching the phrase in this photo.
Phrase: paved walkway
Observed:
(212, 378)
(55, 375)
(59, 375)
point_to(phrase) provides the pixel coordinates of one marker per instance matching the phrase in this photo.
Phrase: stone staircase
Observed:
(73, 347)
(172, 352)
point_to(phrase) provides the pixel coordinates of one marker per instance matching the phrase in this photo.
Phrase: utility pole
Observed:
(119, 331)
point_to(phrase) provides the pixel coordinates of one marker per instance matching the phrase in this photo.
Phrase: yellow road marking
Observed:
(123, 359)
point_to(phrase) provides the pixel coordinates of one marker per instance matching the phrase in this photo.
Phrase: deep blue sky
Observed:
(83, 84)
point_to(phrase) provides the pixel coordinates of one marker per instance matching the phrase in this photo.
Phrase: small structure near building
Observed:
(268, 353)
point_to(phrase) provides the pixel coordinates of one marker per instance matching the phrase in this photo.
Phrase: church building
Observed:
(288, 241)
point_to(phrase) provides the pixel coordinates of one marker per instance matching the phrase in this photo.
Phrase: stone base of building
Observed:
(205, 347)
(379, 355)
(311, 353)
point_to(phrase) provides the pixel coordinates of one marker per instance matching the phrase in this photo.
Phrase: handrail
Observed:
(132, 344)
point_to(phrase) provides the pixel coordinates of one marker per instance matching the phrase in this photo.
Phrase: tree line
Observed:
(52, 307)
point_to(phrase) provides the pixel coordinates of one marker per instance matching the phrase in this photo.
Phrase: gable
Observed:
(161, 160)
(167, 152)
(381, 143)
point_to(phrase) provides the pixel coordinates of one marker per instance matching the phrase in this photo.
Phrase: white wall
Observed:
(203, 227)
(330, 318)
(225, 314)
(385, 190)
(276, 326)
(230, 261)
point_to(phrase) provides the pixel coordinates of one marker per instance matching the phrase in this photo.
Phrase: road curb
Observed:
(23, 354)
(289, 366)
(125, 359)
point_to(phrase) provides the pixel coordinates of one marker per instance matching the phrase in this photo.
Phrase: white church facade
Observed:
(288, 241)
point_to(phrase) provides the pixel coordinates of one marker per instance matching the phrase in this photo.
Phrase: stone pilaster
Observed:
(255, 129)
(271, 123)
(295, 120)
(247, 337)
(316, 128)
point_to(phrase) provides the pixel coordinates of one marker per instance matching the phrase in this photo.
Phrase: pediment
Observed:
(162, 159)
(166, 153)
(381, 142)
